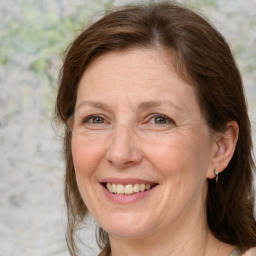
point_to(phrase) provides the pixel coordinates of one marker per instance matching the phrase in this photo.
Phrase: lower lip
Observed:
(126, 199)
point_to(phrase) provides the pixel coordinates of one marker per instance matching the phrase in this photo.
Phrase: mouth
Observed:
(128, 189)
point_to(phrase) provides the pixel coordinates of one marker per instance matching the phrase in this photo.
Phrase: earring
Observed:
(217, 175)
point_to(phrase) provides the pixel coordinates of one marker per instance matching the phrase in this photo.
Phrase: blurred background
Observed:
(33, 37)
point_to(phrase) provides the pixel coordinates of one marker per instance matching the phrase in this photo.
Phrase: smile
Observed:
(128, 189)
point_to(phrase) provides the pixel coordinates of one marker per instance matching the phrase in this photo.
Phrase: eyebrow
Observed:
(156, 103)
(96, 104)
(142, 106)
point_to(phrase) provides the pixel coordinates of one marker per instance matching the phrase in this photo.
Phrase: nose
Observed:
(123, 151)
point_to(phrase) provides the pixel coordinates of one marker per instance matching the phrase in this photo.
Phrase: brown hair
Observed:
(201, 56)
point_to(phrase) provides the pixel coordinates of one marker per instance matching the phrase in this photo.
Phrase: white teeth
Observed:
(127, 189)
(147, 186)
(113, 188)
(136, 188)
(142, 187)
(109, 187)
(119, 189)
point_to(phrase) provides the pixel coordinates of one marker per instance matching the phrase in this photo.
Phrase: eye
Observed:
(94, 119)
(160, 120)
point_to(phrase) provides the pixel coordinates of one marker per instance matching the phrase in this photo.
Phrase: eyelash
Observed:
(93, 117)
(165, 118)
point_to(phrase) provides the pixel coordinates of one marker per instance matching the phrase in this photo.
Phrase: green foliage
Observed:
(35, 42)
(43, 34)
(202, 3)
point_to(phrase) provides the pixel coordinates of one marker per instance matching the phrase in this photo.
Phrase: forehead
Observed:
(140, 64)
(156, 59)
(137, 74)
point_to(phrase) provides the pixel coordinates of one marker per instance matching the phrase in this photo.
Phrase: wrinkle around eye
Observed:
(159, 122)
(92, 122)
(95, 119)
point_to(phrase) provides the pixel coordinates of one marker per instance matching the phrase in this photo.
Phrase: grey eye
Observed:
(161, 120)
(95, 120)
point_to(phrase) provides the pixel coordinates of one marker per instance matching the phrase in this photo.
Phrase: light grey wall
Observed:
(33, 34)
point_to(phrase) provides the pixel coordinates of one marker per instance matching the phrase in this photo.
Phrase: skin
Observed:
(127, 91)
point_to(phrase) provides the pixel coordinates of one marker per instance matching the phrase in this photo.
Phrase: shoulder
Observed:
(250, 252)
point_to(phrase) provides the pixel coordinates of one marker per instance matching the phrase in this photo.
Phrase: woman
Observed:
(159, 148)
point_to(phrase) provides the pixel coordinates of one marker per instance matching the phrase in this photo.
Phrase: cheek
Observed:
(169, 158)
(179, 159)
(86, 156)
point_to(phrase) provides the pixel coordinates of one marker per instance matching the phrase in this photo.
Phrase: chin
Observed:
(127, 226)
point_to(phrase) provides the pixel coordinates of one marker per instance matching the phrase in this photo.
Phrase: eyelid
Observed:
(87, 118)
(154, 115)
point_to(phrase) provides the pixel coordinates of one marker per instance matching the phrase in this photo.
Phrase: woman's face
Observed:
(138, 131)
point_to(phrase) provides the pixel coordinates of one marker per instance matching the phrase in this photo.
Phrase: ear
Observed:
(225, 144)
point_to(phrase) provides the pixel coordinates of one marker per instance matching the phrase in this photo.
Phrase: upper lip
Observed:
(127, 181)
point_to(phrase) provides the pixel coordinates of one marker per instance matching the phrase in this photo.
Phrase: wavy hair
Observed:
(203, 58)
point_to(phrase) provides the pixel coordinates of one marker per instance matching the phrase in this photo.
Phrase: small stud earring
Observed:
(217, 175)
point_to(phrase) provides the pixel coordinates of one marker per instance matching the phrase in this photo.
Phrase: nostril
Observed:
(123, 150)
(120, 162)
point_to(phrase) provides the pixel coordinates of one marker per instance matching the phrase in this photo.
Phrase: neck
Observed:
(178, 243)
(196, 242)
